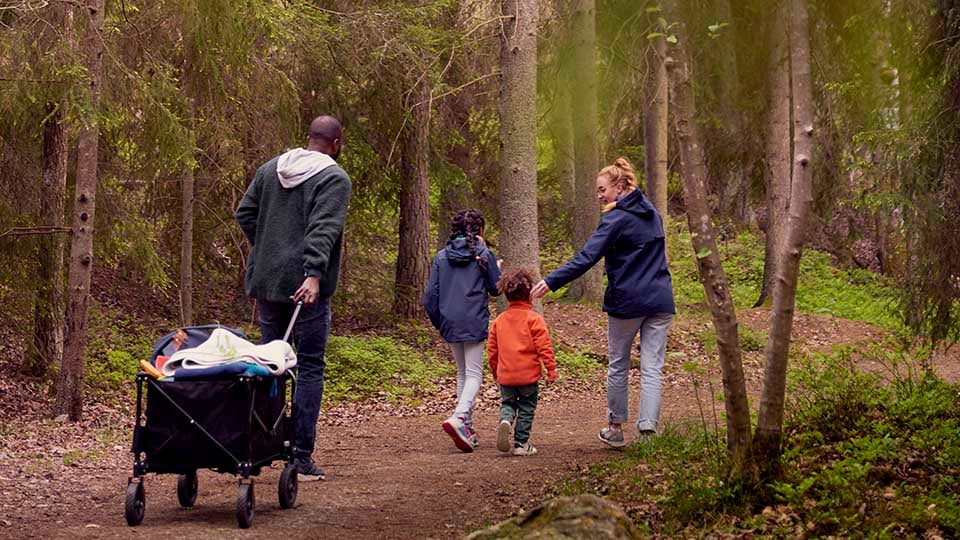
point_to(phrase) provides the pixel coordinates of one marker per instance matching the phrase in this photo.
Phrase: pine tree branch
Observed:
(32, 231)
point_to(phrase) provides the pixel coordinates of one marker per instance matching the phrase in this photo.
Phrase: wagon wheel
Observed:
(187, 489)
(245, 504)
(287, 488)
(135, 504)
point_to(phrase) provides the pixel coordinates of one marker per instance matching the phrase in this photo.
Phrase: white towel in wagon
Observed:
(224, 347)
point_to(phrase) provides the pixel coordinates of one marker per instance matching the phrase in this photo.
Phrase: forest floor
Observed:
(393, 473)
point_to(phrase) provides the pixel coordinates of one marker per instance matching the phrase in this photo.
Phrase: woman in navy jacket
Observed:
(462, 275)
(639, 295)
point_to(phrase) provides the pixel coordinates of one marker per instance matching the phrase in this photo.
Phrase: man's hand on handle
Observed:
(308, 292)
(539, 290)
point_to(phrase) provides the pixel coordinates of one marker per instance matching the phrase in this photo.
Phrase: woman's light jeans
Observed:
(653, 332)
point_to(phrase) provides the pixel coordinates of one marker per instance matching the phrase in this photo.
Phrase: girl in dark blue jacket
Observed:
(462, 275)
(639, 295)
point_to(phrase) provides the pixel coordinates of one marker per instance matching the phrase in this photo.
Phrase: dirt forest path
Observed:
(391, 475)
(390, 478)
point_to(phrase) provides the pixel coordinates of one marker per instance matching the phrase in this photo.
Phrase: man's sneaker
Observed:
(503, 436)
(307, 471)
(612, 437)
(457, 431)
(525, 449)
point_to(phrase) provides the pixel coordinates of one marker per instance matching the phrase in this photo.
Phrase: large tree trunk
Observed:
(586, 210)
(779, 150)
(69, 399)
(186, 248)
(519, 237)
(767, 439)
(413, 258)
(704, 239)
(564, 147)
(456, 193)
(655, 126)
(47, 346)
(734, 188)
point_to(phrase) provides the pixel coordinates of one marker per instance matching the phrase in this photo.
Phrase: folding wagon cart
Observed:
(236, 425)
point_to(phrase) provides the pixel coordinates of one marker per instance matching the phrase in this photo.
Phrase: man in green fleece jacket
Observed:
(293, 215)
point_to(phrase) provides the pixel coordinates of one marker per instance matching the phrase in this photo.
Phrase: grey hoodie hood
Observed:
(298, 165)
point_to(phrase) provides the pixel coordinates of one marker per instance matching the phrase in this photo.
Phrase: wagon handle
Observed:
(293, 320)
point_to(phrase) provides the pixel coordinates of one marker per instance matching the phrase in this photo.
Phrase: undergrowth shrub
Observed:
(576, 364)
(115, 346)
(866, 454)
(362, 366)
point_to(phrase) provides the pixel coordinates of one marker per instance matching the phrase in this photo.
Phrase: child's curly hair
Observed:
(516, 284)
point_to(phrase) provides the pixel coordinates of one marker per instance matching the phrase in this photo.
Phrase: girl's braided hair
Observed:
(469, 223)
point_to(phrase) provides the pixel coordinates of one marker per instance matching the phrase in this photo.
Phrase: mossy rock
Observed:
(583, 516)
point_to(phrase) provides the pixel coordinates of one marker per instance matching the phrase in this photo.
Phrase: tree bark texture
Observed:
(778, 154)
(734, 188)
(69, 398)
(586, 215)
(768, 436)
(456, 193)
(714, 279)
(655, 127)
(519, 236)
(186, 248)
(413, 257)
(564, 147)
(47, 346)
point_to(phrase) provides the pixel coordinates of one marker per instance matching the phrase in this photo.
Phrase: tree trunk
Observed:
(564, 141)
(519, 237)
(186, 248)
(47, 346)
(69, 398)
(715, 284)
(734, 188)
(586, 210)
(767, 439)
(779, 150)
(655, 126)
(455, 194)
(413, 257)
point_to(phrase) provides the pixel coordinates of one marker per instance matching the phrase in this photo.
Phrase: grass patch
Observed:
(359, 367)
(576, 364)
(863, 456)
(750, 340)
(115, 347)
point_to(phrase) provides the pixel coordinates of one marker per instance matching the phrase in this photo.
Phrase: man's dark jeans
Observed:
(310, 339)
(519, 402)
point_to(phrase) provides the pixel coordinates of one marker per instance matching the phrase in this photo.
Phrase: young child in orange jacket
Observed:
(518, 348)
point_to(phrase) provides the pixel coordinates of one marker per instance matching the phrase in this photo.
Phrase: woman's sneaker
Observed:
(503, 436)
(525, 449)
(612, 437)
(457, 431)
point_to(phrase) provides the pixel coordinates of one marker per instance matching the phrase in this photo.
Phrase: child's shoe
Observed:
(474, 438)
(503, 436)
(457, 431)
(525, 449)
